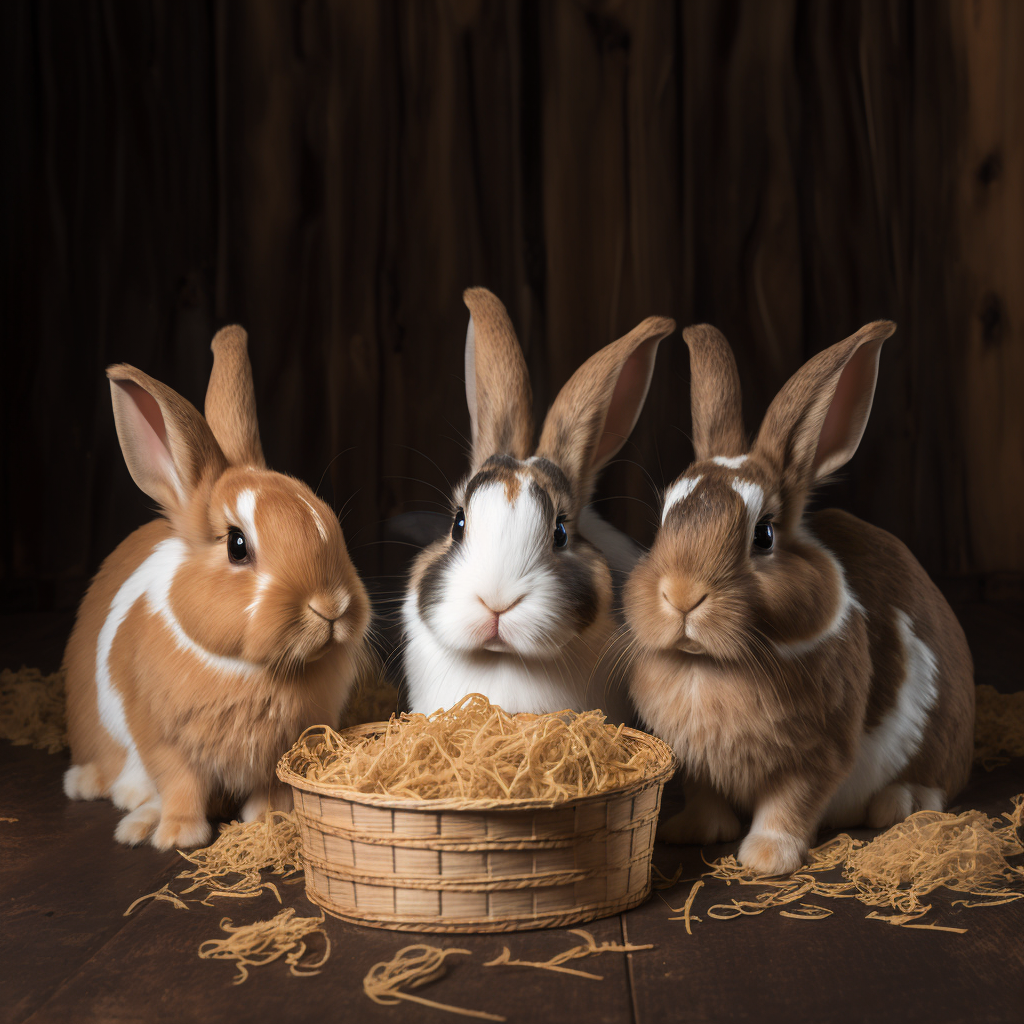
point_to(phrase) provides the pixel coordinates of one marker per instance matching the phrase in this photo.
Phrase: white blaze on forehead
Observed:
(321, 529)
(752, 495)
(503, 542)
(729, 461)
(678, 492)
(243, 515)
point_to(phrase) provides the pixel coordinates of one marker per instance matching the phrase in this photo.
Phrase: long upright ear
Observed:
(816, 421)
(166, 443)
(231, 400)
(715, 402)
(497, 381)
(597, 409)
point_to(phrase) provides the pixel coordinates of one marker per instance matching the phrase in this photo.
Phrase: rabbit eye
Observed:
(561, 537)
(459, 525)
(237, 550)
(764, 535)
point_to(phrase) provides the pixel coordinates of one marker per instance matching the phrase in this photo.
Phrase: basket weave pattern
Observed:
(478, 865)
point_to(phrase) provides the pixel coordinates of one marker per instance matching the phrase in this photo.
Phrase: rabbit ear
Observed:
(497, 382)
(231, 400)
(167, 445)
(715, 401)
(816, 421)
(597, 409)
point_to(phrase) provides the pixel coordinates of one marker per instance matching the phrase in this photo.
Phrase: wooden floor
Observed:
(67, 953)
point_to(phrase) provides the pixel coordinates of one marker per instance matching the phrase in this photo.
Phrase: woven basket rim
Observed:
(664, 762)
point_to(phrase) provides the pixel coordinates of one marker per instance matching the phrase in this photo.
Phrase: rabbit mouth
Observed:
(688, 645)
(495, 643)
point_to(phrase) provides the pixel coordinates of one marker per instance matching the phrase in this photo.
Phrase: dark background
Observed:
(331, 175)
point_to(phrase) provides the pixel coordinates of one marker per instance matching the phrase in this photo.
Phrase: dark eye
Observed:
(764, 535)
(237, 550)
(459, 524)
(561, 537)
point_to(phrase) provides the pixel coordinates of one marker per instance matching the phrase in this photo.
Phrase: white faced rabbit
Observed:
(212, 636)
(515, 602)
(803, 666)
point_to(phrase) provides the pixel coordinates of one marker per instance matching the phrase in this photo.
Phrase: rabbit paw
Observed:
(891, 805)
(703, 821)
(136, 827)
(83, 782)
(279, 799)
(772, 853)
(178, 833)
(131, 790)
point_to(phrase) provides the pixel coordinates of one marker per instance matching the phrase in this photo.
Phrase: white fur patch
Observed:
(752, 495)
(679, 491)
(320, 528)
(244, 515)
(729, 461)
(152, 580)
(263, 581)
(888, 748)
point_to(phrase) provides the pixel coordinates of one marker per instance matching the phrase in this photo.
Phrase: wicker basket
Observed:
(458, 865)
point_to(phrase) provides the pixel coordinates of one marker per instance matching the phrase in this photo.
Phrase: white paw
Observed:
(772, 853)
(177, 834)
(131, 793)
(701, 823)
(254, 806)
(83, 782)
(136, 827)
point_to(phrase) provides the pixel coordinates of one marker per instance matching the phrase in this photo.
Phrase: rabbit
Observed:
(803, 666)
(515, 602)
(213, 635)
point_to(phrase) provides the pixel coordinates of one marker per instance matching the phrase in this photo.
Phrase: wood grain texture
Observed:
(332, 174)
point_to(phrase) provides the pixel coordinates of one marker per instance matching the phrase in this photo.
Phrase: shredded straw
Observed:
(966, 853)
(589, 948)
(998, 726)
(413, 967)
(271, 843)
(32, 709)
(262, 942)
(475, 750)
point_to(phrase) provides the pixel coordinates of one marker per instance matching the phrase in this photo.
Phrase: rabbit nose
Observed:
(500, 611)
(318, 606)
(330, 608)
(682, 596)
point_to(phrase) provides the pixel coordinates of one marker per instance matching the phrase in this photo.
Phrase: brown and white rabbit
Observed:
(803, 666)
(516, 603)
(212, 636)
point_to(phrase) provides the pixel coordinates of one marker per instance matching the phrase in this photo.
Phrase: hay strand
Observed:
(246, 849)
(998, 726)
(32, 709)
(262, 942)
(413, 967)
(475, 750)
(687, 907)
(589, 947)
(164, 894)
(930, 850)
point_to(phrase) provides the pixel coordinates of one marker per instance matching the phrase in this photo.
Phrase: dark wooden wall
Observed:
(333, 174)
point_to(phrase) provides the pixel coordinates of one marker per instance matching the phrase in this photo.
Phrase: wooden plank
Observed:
(64, 882)
(990, 214)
